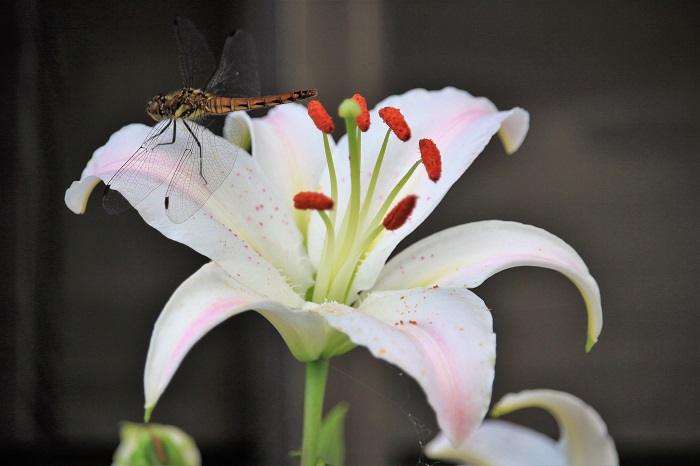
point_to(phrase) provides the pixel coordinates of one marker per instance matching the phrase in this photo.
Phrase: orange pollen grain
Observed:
(320, 117)
(395, 120)
(362, 119)
(432, 161)
(312, 201)
(413, 322)
(400, 213)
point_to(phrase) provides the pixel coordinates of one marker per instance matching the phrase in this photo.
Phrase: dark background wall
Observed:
(610, 165)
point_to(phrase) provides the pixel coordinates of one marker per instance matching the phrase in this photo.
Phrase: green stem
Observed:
(316, 376)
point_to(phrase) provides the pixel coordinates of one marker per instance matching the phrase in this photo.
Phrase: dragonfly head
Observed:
(156, 107)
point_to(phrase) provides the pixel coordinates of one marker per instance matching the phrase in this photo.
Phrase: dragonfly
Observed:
(182, 147)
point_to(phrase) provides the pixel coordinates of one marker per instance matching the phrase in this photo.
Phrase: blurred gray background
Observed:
(610, 165)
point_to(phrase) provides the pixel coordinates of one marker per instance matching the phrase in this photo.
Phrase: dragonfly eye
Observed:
(154, 108)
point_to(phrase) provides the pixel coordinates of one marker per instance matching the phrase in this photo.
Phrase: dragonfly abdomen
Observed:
(232, 104)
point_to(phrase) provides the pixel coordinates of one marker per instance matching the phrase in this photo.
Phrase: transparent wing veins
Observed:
(147, 169)
(207, 161)
(197, 62)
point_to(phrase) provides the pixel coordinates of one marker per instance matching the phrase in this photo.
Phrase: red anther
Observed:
(320, 117)
(312, 201)
(395, 120)
(400, 213)
(432, 161)
(363, 118)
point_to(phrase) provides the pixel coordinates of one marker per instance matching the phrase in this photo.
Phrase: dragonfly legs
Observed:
(145, 143)
(199, 145)
(173, 122)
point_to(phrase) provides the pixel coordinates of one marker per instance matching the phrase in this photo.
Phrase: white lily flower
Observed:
(322, 279)
(584, 438)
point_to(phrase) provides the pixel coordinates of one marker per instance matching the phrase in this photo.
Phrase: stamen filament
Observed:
(373, 182)
(362, 248)
(394, 192)
(323, 276)
(395, 219)
(345, 276)
(331, 174)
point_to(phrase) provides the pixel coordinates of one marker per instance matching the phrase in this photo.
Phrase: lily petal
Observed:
(104, 164)
(498, 443)
(442, 337)
(243, 221)
(466, 255)
(206, 299)
(461, 125)
(584, 438)
(288, 148)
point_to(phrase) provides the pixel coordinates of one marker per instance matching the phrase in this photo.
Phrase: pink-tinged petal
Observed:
(289, 149)
(466, 255)
(104, 164)
(206, 299)
(441, 337)
(498, 443)
(458, 123)
(244, 222)
(583, 437)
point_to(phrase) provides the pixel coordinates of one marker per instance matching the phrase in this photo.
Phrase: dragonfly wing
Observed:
(237, 74)
(207, 161)
(147, 169)
(197, 62)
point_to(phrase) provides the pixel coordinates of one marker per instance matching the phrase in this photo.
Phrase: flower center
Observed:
(349, 239)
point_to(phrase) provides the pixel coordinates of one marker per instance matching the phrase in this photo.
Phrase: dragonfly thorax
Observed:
(185, 103)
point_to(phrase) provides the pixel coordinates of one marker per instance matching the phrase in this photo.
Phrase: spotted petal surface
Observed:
(466, 255)
(443, 338)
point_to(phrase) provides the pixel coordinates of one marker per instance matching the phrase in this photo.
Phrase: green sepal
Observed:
(331, 444)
